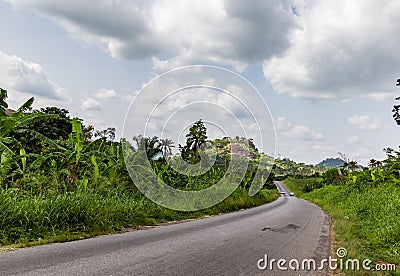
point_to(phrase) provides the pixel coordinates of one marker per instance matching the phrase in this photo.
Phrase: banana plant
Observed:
(78, 158)
(18, 122)
(96, 169)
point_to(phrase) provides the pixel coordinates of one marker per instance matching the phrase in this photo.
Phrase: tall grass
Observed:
(72, 185)
(366, 217)
(26, 218)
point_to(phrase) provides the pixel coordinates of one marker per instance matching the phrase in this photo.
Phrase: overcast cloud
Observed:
(327, 68)
(231, 32)
(318, 50)
(344, 49)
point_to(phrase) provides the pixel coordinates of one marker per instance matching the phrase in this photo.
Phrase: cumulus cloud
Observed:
(364, 122)
(343, 49)
(91, 104)
(310, 49)
(296, 131)
(27, 77)
(177, 32)
(107, 94)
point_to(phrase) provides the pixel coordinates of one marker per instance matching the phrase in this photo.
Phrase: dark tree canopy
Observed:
(3, 103)
(396, 108)
(58, 126)
(55, 128)
(107, 134)
(195, 139)
(151, 145)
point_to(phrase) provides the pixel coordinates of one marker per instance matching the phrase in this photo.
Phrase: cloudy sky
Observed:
(325, 69)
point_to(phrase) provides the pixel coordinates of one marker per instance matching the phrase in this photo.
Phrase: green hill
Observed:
(331, 162)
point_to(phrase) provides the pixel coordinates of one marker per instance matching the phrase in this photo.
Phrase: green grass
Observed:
(30, 220)
(366, 221)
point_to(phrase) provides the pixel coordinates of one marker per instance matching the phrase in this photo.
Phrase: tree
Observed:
(3, 103)
(396, 108)
(372, 163)
(108, 134)
(87, 132)
(152, 145)
(17, 124)
(195, 140)
(375, 164)
(57, 126)
(350, 164)
(166, 147)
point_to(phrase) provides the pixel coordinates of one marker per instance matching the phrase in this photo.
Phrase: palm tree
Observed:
(150, 145)
(375, 164)
(166, 147)
(350, 164)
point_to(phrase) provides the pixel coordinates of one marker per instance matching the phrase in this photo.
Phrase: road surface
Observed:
(229, 244)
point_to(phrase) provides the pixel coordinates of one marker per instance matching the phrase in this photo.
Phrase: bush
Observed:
(334, 176)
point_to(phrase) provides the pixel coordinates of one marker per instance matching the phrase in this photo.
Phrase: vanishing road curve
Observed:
(229, 244)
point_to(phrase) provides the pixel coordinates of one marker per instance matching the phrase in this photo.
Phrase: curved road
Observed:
(229, 244)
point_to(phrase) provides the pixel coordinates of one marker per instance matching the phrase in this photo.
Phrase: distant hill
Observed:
(331, 162)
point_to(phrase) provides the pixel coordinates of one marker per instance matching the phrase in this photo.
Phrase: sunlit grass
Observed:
(30, 220)
(366, 221)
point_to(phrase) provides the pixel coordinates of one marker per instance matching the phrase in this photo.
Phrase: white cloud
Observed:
(91, 104)
(364, 122)
(296, 131)
(106, 94)
(354, 139)
(323, 150)
(27, 77)
(304, 133)
(343, 49)
(381, 96)
(180, 31)
(282, 124)
(317, 50)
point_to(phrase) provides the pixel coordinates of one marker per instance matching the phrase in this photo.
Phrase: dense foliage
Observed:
(195, 141)
(60, 179)
(396, 108)
(364, 205)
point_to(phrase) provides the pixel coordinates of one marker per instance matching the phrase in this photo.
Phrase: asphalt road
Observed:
(229, 244)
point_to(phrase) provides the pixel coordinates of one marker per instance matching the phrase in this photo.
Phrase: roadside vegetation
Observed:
(62, 180)
(364, 204)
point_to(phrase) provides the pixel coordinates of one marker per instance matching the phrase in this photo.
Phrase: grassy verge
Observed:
(366, 220)
(27, 220)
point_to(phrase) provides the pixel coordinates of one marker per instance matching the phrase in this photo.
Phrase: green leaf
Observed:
(22, 153)
(27, 105)
(96, 168)
(76, 126)
(77, 130)
(373, 177)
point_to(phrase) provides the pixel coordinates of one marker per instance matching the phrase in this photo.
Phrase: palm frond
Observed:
(27, 105)
(41, 137)
(33, 118)
(4, 147)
